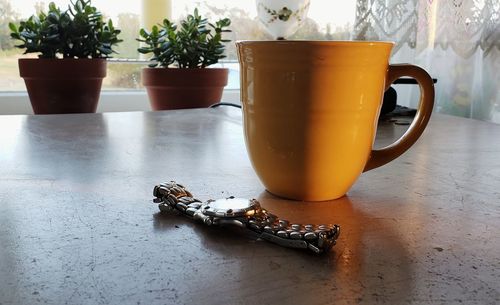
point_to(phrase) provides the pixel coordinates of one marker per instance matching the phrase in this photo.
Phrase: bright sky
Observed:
(335, 12)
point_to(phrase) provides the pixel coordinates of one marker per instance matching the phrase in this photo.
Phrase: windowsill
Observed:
(110, 101)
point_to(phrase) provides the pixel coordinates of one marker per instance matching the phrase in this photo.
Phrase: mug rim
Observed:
(316, 42)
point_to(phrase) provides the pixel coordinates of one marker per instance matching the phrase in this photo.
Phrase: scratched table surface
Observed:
(78, 226)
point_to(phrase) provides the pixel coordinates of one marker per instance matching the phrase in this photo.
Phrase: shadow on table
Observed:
(369, 262)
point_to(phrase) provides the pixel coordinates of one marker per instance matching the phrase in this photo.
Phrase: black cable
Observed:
(225, 104)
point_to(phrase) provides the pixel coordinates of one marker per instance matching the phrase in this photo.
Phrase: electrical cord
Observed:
(225, 104)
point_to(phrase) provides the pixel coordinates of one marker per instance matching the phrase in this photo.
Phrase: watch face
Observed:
(231, 204)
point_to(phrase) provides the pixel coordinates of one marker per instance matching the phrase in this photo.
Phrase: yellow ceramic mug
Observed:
(310, 111)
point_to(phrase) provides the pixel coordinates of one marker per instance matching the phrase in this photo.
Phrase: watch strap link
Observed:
(318, 238)
(171, 196)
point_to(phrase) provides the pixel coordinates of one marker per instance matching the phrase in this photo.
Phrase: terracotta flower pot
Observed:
(172, 88)
(63, 85)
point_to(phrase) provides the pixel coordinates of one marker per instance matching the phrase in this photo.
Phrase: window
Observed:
(331, 19)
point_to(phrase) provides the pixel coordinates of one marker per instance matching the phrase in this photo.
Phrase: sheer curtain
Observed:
(456, 41)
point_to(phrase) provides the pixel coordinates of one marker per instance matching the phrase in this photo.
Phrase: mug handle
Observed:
(387, 154)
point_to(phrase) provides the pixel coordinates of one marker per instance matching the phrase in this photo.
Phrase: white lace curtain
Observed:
(456, 41)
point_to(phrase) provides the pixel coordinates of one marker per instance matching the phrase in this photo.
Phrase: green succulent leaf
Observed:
(13, 27)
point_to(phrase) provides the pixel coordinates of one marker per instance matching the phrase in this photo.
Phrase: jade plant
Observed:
(196, 43)
(77, 32)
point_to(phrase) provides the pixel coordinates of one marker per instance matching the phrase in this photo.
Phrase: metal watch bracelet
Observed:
(319, 238)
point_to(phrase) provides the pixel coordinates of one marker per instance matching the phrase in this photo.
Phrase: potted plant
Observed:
(177, 77)
(73, 46)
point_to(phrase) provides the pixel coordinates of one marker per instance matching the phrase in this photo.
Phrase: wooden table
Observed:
(78, 226)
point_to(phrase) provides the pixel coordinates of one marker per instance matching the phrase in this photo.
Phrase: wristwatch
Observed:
(248, 214)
